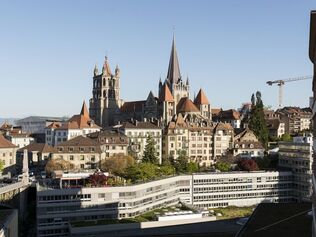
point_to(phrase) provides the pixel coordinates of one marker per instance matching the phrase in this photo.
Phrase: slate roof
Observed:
(173, 74)
(109, 137)
(39, 147)
(133, 106)
(77, 143)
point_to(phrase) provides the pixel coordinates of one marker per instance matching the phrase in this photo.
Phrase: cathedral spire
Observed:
(106, 67)
(173, 70)
(96, 70)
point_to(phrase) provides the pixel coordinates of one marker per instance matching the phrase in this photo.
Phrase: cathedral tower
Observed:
(105, 101)
(177, 86)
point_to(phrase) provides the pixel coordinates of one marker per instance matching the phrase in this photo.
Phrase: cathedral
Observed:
(107, 108)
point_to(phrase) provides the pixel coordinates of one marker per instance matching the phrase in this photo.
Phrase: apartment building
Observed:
(297, 156)
(111, 142)
(247, 145)
(223, 137)
(81, 152)
(57, 207)
(295, 119)
(77, 125)
(8, 156)
(138, 132)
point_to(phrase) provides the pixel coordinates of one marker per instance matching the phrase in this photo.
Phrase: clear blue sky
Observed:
(230, 48)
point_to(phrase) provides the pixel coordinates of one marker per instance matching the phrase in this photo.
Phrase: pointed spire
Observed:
(173, 70)
(201, 98)
(96, 70)
(84, 111)
(106, 67)
(117, 71)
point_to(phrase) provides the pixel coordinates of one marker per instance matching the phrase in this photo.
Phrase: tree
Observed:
(58, 164)
(247, 164)
(142, 171)
(117, 164)
(167, 170)
(257, 121)
(150, 153)
(1, 166)
(181, 162)
(222, 166)
(97, 179)
(286, 137)
(192, 167)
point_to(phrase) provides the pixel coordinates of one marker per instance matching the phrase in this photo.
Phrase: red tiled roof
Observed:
(79, 121)
(4, 143)
(133, 106)
(186, 105)
(201, 98)
(216, 111)
(165, 94)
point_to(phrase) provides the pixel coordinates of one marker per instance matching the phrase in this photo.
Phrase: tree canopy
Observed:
(117, 164)
(58, 164)
(1, 166)
(257, 121)
(150, 153)
(247, 164)
(222, 166)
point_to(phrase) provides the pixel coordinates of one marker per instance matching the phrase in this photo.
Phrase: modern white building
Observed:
(57, 207)
(297, 156)
(20, 139)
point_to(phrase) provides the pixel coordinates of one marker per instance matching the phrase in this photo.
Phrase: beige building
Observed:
(111, 142)
(8, 155)
(137, 133)
(195, 139)
(247, 145)
(82, 152)
(276, 127)
(222, 139)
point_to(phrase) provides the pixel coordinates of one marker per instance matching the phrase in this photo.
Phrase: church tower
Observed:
(105, 101)
(177, 86)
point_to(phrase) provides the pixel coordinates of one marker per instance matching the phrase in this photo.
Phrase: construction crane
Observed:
(280, 84)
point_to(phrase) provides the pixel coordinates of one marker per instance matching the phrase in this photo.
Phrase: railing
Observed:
(11, 187)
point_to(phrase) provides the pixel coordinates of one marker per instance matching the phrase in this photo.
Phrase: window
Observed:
(82, 166)
(82, 157)
(71, 157)
(81, 149)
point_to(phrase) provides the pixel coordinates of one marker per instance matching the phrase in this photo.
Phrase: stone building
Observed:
(81, 152)
(107, 108)
(247, 145)
(8, 156)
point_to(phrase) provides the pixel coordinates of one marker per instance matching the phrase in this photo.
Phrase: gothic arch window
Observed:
(113, 93)
(113, 83)
(104, 93)
(103, 81)
(95, 83)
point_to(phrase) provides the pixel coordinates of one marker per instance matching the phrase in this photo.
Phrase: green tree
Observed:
(286, 137)
(142, 171)
(1, 166)
(257, 121)
(181, 162)
(150, 153)
(167, 170)
(222, 166)
(192, 167)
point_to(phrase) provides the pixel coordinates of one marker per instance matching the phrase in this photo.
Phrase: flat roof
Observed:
(279, 219)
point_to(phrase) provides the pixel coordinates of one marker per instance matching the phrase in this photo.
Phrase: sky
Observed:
(230, 48)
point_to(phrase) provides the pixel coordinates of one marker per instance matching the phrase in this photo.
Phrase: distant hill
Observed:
(9, 120)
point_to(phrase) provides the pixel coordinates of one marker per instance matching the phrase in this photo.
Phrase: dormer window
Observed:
(60, 149)
(92, 149)
(70, 149)
(81, 149)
